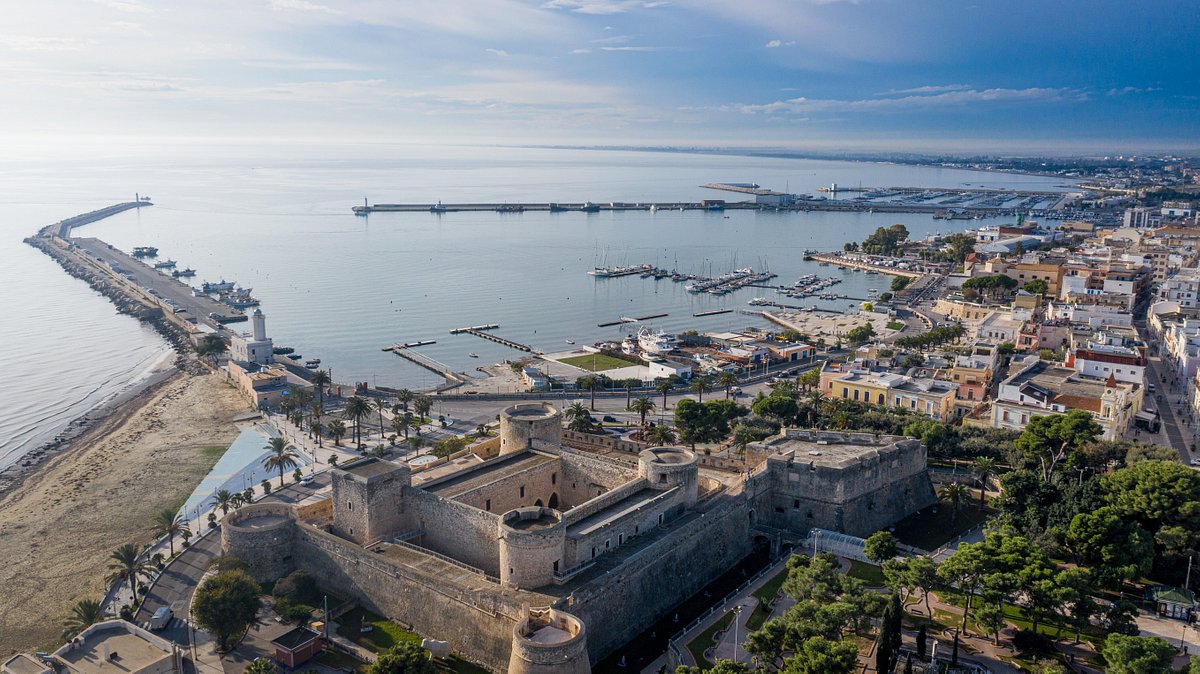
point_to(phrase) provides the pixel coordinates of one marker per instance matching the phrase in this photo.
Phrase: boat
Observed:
(473, 355)
(437, 208)
(570, 341)
(656, 343)
(653, 208)
(589, 207)
(282, 350)
(555, 208)
(312, 364)
(629, 346)
(165, 264)
(510, 209)
(183, 273)
(294, 356)
(219, 286)
(145, 251)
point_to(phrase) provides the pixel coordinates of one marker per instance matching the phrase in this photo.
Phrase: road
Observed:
(145, 276)
(1175, 432)
(175, 587)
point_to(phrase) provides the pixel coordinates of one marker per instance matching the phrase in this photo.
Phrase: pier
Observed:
(63, 228)
(712, 312)
(489, 326)
(499, 340)
(426, 362)
(629, 319)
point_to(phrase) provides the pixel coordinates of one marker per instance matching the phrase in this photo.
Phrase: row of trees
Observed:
(934, 337)
(885, 241)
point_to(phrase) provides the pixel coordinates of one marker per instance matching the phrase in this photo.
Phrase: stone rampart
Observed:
(454, 529)
(528, 487)
(604, 500)
(531, 547)
(586, 476)
(582, 547)
(522, 423)
(618, 605)
(476, 617)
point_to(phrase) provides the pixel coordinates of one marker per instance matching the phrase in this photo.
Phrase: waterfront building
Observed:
(109, 647)
(264, 386)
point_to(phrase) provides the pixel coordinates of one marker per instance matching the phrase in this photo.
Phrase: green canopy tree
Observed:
(403, 658)
(84, 614)
(880, 547)
(1137, 655)
(1050, 441)
(226, 604)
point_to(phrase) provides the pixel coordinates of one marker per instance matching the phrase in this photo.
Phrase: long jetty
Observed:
(63, 228)
(499, 340)
(426, 362)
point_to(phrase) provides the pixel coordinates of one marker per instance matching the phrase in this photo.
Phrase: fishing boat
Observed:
(312, 364)
(437, 208)
(184, 273)
(165, 264)
(473, 355)
(219, 286)
(656, 343)
(570, 341)
(145, 251)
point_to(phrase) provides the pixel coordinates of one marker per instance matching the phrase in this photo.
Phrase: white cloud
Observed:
(804, 105)
(580, 51)
(776, 44)
(600, 6)
(124, 6)
(496, 52)
(929, 89)
(303, 6)
(631, 48)
(40, 44)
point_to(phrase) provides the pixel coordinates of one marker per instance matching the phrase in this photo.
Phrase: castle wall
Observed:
(587, 476)
(618, 605)
(604, 500)
(653, 513)
(454, 529)
(540, 483)
(365, 510)
(477, 619)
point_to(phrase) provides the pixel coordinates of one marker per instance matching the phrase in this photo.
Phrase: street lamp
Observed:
(737, 614)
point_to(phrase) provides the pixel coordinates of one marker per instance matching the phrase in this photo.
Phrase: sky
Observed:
(904, 75)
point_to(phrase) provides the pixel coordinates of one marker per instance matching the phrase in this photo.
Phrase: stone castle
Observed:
(545, 558)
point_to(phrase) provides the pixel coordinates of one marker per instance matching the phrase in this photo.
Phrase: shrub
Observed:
(298, 587)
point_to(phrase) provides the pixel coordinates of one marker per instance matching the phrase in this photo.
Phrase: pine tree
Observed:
(921, 639)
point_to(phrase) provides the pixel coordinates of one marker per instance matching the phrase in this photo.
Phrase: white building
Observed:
(1093, 315)
(1177, 209)
(1183, 288)
(1101, 360)
(255, 347)
(1040, 388)
(1142, 217)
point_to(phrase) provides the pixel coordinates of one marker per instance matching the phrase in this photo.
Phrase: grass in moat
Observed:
(383, 636)
(597, 362)
(869, 573)
(930, 530)
(704, 640)
(765, 595)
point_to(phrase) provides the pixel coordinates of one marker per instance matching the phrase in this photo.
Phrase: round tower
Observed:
(522, 423)
(261, 535)
(548, 641)
(668, 467)
(532, 541)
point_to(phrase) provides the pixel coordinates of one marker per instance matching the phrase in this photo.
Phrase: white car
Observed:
(1195, 462)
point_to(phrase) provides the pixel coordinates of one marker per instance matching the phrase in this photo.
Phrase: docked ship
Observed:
(656, 343)
(165, 264)
(184, 273)
(239, 298)
(145, 251)
(219, 286)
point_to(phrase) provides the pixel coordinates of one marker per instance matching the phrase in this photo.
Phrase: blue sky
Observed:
(914, 75)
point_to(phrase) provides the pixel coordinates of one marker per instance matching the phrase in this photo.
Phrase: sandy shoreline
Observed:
(60, 519)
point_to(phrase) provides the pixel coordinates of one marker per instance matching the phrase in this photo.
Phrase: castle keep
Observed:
(545, 558)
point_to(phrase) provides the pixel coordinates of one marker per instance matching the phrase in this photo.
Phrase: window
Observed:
(795, 503)
(845, 392)
(556, 566)
(882, 399)
(620, 539)
(606, 543)
(349, 505)
(487, 505)
(660, 518)
(662, 477)
(522, 491)
(553, 478)
(856, 394)
(593, 552)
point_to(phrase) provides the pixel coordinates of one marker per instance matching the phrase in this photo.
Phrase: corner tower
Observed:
(368, 499)
(521, 424)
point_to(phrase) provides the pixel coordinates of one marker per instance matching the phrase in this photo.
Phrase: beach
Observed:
(60, 522)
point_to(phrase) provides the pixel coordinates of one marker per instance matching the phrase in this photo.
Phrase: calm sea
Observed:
(340, 287)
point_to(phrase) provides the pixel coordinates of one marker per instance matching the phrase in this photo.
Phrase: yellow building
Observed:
(933, 398)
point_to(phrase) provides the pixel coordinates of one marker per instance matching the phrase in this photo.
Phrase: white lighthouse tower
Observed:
(257, 347)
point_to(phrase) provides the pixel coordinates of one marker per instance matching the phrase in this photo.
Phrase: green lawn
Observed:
(383, 636)
(929, 530)
(765, 595)
(869, 573)
(895, 325)
(704, 640)
(339, 660)
(598, 362)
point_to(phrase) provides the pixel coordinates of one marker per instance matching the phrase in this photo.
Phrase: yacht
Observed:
(473, 355)
(629, 346)
(655, 343)
(570, 341)
(165, 264)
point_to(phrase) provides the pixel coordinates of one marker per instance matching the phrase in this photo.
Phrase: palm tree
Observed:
(417, 442)
(481, 431)
(167, 523)
(403, 398)
(317, 428)
(422, 405)
(575, 410)
(399, 424)
(356, 408)
(664, 386)
(660, 435)
(224, 500)
(320, 379)
(283, 457)
(591, 383)
(642, 406)
(727, 380)
(985, 467)
(415, 424)
(127, 565)
(381, 404)
(337, 431)
(315, 411)
(954, 494)
(700, 386)
(209, 347)
(84, 614)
